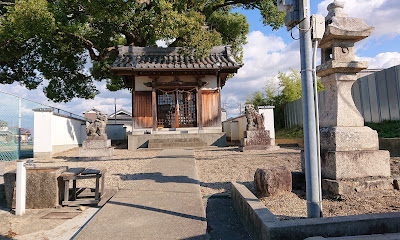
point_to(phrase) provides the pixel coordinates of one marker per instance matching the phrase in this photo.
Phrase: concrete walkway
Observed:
(162, 203)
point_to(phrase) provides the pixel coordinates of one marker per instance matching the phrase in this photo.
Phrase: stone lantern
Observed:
(350, 155)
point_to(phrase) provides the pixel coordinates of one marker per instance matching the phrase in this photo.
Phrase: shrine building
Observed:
(173, 93)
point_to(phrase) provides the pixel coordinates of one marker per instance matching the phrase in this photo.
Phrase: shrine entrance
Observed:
(176, 108)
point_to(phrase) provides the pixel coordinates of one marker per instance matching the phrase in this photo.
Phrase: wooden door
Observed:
(176, 108)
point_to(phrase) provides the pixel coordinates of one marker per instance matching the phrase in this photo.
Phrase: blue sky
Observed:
(266, 53)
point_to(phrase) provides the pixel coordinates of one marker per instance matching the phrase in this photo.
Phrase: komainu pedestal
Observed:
(255, 137)
(96, 146)
(350, 155)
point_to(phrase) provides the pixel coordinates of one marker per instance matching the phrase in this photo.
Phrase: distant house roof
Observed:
(122, 113)
(161, 59)
(3, 123)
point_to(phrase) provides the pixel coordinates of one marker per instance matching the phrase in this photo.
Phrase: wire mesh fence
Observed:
(17, 126)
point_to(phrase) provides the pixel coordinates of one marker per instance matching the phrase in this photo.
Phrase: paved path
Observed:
(162, 203)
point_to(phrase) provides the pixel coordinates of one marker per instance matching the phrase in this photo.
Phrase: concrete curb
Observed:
(262, 224)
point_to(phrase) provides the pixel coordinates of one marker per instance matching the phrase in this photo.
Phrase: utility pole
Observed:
(309, 123)
(115, 111)
(298, 13)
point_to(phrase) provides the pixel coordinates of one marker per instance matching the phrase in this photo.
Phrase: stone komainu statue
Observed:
(97, 128)
(255, 121)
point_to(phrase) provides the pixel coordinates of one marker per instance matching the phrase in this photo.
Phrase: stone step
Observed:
(166, 140)
(176, 143)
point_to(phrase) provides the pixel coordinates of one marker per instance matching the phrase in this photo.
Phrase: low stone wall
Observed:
(290, 141)
(141, 141)
(262, 224)
(390, 144)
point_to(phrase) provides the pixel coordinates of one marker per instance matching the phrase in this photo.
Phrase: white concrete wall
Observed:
(42, 130)
(235, 128)
(226, 127)
(268, 113)
(56, 133)
(65, 131)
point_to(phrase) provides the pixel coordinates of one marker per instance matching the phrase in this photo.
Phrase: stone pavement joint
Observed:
(162, 203)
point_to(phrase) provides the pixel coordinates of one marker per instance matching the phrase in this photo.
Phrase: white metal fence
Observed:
(376, 96)
(16, 126)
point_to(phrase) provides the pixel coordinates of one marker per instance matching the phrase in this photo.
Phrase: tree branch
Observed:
(6, 43)
(232, 2)
(90, 47)
(6, 3)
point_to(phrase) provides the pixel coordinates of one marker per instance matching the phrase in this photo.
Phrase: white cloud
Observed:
(382, 60)
(104, 101)
(264, 57)
(382, 14)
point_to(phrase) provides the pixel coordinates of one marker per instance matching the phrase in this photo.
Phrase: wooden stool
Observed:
(82, 173)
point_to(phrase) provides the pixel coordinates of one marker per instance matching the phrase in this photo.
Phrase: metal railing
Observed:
(17, 127)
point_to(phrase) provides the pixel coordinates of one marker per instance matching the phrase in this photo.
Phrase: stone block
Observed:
(256, 137)
(348, 139)
(272, 181)
(355, 164)
(96, 153)
(258, 147)
(44, 187)
(95, 137)
(340, 110)
(96, 144)
(359, 185)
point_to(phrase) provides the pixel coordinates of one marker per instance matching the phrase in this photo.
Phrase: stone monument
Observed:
(97, 146)
(350, 155)
(255, 137)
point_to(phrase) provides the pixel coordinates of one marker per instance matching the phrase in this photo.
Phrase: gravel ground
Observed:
(217, 167)
(120, 169)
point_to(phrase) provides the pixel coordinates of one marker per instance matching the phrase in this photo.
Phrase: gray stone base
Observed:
(355, 164)
(96, 153)
(44, 187)
(356, 185)
(256, 137)
(43, 155)
(348, 139)
(96, 150)
(96, 144)
(258, 147)
(142, 141)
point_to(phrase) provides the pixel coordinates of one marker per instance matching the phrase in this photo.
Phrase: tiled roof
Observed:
(147, 58)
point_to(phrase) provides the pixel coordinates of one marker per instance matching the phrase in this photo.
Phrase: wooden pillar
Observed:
(154, 104)
(219, 100)
(199, 106)
(133, 91)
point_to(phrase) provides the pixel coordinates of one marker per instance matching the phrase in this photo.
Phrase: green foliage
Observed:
(290, 133)
(386, 128)
(52, 39)
(287, 90)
